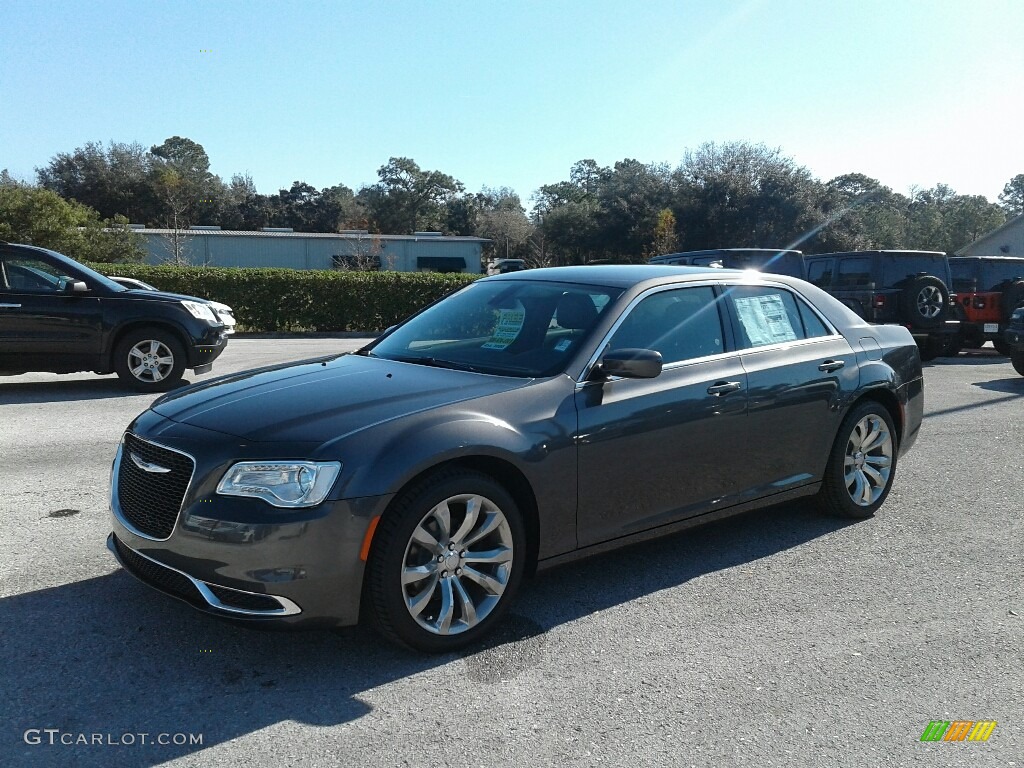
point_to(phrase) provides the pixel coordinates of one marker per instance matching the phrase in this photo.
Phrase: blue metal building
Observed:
(215, 247)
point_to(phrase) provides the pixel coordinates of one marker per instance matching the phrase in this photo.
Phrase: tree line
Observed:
(735, 194)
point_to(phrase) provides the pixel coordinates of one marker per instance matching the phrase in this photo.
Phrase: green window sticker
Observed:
(510, 323)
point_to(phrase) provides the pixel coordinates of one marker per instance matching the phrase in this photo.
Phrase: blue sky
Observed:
(513, 93)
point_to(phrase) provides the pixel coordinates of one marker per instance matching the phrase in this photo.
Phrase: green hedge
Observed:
(269, 300)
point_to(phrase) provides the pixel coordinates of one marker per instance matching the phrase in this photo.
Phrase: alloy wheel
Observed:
(150, 361)
(457, 564)
(868, 462)
(929, 302)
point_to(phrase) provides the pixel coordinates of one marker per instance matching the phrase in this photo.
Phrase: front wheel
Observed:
(1002, 347)
(446, 560)
(862, 464)
(149, 359)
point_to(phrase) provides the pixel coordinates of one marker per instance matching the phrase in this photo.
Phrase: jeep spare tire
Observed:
(1012, 298)
(924, 302)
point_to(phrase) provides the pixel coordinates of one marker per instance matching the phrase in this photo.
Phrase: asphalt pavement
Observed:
(776, 638)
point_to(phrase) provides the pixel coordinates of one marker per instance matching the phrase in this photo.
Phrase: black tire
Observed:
(1017, 360)
(389, 602)
(954, 344)
(930, 348)
(1002, 347)
(924, 302)
(836, 496)
(1012, 298)
(149, 359)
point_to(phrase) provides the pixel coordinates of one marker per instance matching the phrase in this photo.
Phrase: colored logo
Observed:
(958, 730)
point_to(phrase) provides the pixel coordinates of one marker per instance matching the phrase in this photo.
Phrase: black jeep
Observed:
(909, 288)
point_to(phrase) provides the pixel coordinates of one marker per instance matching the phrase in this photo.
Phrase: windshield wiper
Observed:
(435, 362)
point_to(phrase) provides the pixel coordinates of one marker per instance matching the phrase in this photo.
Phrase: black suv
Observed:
(59, 316)
(909, 288)
(773, 260)
(1013, 338)
(987, 289)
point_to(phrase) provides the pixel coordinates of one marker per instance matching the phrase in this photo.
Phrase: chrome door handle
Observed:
(723, 388)
(10, 306)
(831, 365)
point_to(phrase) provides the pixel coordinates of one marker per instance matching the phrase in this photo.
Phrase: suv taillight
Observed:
(880, 301)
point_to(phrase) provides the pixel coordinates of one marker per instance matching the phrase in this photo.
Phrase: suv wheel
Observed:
(1002, 347)
(862, 464)
(149, 359)
(924, 301)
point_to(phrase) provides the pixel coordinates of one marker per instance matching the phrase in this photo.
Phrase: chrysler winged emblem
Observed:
(147, 466)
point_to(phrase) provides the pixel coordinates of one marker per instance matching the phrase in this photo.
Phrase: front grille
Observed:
(151, 501)
(157, 575)
(245, 600)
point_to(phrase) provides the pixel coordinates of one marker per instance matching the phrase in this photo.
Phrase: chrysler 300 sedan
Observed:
(528, 419)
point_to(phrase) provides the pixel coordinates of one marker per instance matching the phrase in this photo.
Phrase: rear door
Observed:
(799, 369)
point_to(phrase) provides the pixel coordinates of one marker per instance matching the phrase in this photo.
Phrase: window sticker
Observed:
(510, 323)
(765, 319)
(563, 345)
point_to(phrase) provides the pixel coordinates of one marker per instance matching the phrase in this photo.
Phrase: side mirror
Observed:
(630, 363)
(70, 285)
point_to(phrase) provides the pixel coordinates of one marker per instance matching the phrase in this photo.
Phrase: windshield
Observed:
(506, 327)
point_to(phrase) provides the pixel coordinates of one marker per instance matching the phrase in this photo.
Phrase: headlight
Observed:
(1018, 315)
(281, 483)
(200, 311)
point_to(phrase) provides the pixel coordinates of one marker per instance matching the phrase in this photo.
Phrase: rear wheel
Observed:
(447, 559)
(149, 359)
(930, 348)
(862, 464)
(1002, 347)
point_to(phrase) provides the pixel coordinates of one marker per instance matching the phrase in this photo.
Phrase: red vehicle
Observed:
(987, 290)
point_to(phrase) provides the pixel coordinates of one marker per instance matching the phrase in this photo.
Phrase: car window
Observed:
(963, 274)
(506, 327)
(820, 272)
(854, 272)
(25, 273)
(769, 315)
(681, 324)
(995, 274)
(898, 268)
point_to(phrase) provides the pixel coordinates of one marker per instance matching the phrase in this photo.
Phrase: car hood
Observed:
(323, 399)
(142, 293)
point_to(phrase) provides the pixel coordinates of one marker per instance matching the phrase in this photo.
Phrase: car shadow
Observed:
(1014, 385)
(110, 656)
(70, 390)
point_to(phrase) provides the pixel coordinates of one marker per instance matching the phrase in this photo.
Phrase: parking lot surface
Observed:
(779, 637)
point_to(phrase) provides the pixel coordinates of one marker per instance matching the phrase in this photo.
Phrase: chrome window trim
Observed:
(115, 506)
(712, 283)
(288, 608)
(747, 281)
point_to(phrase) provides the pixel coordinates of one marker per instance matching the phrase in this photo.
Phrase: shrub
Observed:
(269, 300)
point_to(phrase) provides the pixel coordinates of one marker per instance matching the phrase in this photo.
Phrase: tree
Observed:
(665, 239)
(502, 219)
(746, 195)
(37, 216)
(1012, 196)
(408, 199)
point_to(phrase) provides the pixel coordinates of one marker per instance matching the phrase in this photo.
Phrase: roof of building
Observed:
(1015, 221)
(307, 235)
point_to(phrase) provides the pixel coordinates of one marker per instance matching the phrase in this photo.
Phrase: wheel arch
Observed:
(888, 400)
(133, 325)
(506, 474)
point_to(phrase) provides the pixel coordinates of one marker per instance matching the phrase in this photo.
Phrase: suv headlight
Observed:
(200, 311)
(1017, 316)
(287, 484)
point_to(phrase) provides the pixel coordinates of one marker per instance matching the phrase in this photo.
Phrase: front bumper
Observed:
(209, 348)
(243, 559)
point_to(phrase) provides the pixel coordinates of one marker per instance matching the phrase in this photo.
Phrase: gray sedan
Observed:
(528, 419)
